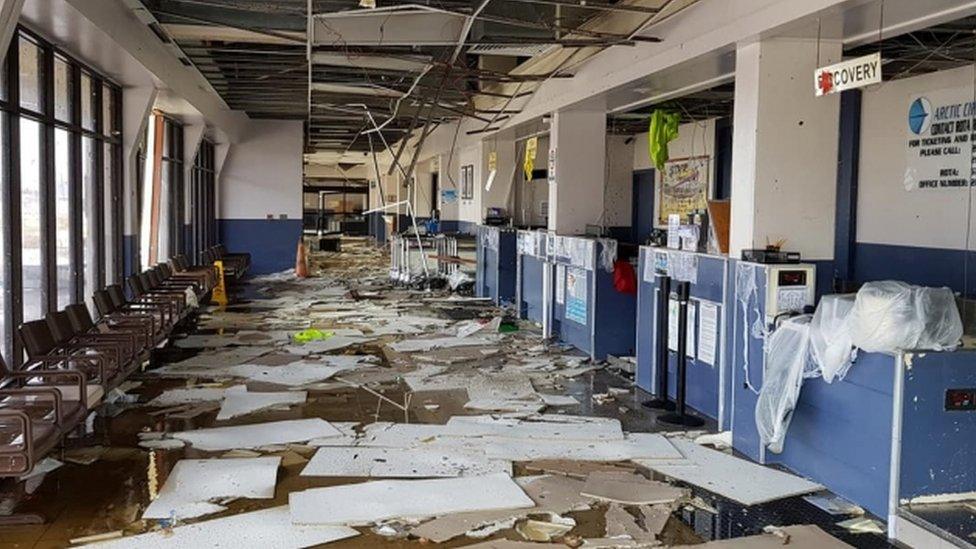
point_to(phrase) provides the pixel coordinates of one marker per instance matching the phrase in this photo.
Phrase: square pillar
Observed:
(784, 163)
(577, 156)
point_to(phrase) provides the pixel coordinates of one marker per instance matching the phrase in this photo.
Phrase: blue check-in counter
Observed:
(588, 312)
(709, 310)
(530, 275)
(497, 263)
(897, 427)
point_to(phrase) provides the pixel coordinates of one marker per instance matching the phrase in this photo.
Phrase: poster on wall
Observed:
(939, 129)
(684, 187)
(576, 295)
(449, 196)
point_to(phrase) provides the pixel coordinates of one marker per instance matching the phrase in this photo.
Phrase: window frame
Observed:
(10, 230)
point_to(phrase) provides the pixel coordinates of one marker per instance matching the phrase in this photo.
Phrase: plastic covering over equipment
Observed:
(885, 316)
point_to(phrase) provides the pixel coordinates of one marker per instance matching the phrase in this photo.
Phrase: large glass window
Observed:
(62, 222)
(30, 219)
(60, 213)
(89, 217)
(30, 78)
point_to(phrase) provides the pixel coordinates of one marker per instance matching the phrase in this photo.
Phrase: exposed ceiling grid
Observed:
(412, 65)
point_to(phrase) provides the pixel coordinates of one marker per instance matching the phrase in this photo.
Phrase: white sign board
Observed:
(847, 75)
(938, 139)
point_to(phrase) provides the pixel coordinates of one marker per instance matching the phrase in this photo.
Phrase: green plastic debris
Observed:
(507, 327)
(663, 130)
(311, 334)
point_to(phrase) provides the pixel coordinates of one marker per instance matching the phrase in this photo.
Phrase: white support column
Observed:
(221, 152)
(577, 153)
(784, 163)
(192, 137)
(137, 106)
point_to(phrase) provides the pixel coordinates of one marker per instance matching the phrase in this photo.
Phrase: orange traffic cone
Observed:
(301, 261)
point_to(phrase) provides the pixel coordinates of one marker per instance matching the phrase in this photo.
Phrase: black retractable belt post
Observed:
(661, 349)
(679, 416)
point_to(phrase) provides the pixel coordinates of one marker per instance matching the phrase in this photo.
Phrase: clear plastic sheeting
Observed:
(747, 294)
(608, 253)
(787, 358)
(889, 316)
(683, 266)
(831, 337)
(885, 316)
(491, 238)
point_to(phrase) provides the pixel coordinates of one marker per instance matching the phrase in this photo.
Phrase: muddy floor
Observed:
(109, 494)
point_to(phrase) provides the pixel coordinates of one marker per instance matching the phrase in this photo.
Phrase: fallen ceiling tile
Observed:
(258, 434)
(194, 483)
(737, 479)
(800, 537)
(551, 494)
(265, 529)
(194, 395)
(238, 401)
(368, 502)
(629, 489)
(333, 461)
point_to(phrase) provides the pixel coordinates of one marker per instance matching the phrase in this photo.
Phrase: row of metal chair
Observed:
(74, 359)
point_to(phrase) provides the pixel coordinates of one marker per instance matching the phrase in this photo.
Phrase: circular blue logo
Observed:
(919, 116)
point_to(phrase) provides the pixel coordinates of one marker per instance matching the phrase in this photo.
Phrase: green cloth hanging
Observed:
(663, 130)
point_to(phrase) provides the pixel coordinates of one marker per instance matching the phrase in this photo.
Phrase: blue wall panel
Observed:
(271, 242)
(840, 434)
(615, 318)
(938, 447)
(531, 306)
(923, 266)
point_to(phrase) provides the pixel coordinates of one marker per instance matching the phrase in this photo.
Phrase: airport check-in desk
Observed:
(566, 284)
(497, 264)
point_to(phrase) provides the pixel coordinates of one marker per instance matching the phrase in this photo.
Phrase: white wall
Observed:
(889, 212)
(694, 139)
(533, 193)
(263, 173)
(470, 209)
(508, 174)
(618, 194)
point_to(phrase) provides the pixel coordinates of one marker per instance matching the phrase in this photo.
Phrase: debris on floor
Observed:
(194, 483)
(368, 502)
(401, 416)
(731, 477)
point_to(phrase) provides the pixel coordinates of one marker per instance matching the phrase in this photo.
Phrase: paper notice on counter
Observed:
(707, 332)
(673, 324)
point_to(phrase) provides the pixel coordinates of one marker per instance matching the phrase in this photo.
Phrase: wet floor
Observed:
(110, 494)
